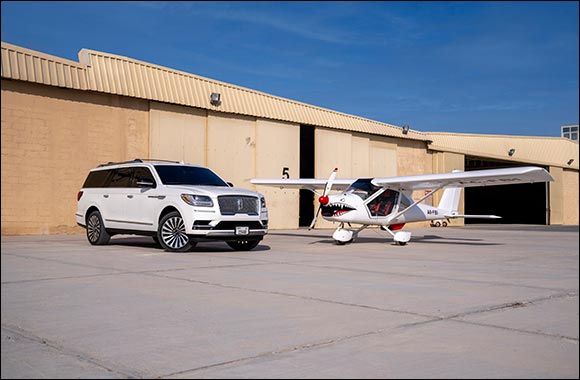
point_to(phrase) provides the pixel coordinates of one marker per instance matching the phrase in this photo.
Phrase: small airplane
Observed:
(388, 202)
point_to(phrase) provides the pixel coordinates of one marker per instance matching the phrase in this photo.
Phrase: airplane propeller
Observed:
(324, 197)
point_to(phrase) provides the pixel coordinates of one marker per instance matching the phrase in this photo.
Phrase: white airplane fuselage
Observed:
(350, 208)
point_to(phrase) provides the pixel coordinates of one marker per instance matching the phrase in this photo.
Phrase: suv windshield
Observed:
(188, 175)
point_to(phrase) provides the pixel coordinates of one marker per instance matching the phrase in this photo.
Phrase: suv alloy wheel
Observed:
(96, 233)
(171, 233)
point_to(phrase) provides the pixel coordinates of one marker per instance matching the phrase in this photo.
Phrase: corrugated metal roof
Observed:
(126, 76)
(551, 151)
(32, 66)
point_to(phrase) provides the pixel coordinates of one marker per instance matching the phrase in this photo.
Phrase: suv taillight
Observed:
(79, 195)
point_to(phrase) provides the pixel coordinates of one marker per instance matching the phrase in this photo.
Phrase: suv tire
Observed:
(243, 245)
(171, 233)
(96, 232)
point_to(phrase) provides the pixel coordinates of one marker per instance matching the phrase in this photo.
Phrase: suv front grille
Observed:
(236, 204)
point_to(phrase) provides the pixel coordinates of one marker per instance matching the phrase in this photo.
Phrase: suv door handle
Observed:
(129, 196)
(106, 195)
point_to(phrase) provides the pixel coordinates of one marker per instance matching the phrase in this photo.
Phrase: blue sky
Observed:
(470, 67)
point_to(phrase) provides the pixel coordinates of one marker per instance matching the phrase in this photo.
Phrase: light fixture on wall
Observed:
(570, 161)
(511, 152)
(215, 98)
(405, 129)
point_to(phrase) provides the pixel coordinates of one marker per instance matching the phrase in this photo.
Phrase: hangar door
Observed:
(516, 204)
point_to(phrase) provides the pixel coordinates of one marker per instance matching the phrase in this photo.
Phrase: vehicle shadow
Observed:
(148, 242)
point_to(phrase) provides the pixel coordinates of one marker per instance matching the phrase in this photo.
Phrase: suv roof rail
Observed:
(137, 160)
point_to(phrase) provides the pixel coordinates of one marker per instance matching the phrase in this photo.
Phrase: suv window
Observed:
(121, 177)
(188, 175)
(98, 178)
(142, 173)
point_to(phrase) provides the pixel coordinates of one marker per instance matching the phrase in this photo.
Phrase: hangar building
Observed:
(61, 118)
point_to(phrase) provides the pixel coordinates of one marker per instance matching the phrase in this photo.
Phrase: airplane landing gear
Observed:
(438, 224)
(342, 236)
(400, 237)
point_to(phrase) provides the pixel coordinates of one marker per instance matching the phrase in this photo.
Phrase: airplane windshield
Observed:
(363, 188)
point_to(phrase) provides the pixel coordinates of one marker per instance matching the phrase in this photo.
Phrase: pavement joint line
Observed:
(124, 273)
(126, 373)
(505, 306)
(368, 333)
(430, 318)
(557, 336)
(300, 347)
(58, 261)
(431, 277)
(292, 295)
(261, 262)
(108, 268)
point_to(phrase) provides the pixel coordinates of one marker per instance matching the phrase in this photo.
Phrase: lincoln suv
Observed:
(177, 204)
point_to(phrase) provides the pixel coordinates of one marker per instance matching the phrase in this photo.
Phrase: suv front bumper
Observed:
(232, 229)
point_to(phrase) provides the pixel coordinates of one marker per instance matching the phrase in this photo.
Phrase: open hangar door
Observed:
(516, 204)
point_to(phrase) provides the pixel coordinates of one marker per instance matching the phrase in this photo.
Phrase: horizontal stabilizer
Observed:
(472, 216)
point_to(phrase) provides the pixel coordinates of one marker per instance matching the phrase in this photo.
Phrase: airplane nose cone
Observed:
(323, 200)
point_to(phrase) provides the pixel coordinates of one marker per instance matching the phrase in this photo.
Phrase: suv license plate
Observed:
(244, 230)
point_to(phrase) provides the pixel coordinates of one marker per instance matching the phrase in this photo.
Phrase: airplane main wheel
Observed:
(444, 224)
(437, 224)
(401, 243)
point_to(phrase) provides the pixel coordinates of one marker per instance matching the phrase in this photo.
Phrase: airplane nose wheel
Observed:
(342, 236)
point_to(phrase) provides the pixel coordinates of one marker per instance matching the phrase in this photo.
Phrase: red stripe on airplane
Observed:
(396, 227)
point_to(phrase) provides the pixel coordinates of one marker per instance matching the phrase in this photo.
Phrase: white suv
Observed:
(175, 203)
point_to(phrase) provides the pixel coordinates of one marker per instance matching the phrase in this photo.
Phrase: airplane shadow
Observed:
(213, 246)
(429, 239)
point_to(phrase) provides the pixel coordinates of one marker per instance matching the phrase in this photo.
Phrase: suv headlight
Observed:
(197, 200)
(263, 202)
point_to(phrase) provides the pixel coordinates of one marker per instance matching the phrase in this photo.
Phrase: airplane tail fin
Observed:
(450, 200)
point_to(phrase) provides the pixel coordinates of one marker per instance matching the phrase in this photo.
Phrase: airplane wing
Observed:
(489, 177)
(303, 183)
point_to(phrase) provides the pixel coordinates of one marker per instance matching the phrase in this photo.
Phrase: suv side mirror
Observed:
(230, 184)
(145, 182)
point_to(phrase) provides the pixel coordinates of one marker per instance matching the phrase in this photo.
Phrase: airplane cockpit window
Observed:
(363, 187)
(383, 204)
(405, 201)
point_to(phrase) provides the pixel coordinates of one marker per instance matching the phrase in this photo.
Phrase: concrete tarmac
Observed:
(457, 302)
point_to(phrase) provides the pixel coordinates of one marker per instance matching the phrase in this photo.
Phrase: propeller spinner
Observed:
(323, 200)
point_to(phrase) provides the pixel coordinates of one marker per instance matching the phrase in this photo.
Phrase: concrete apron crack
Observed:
(110, 367)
